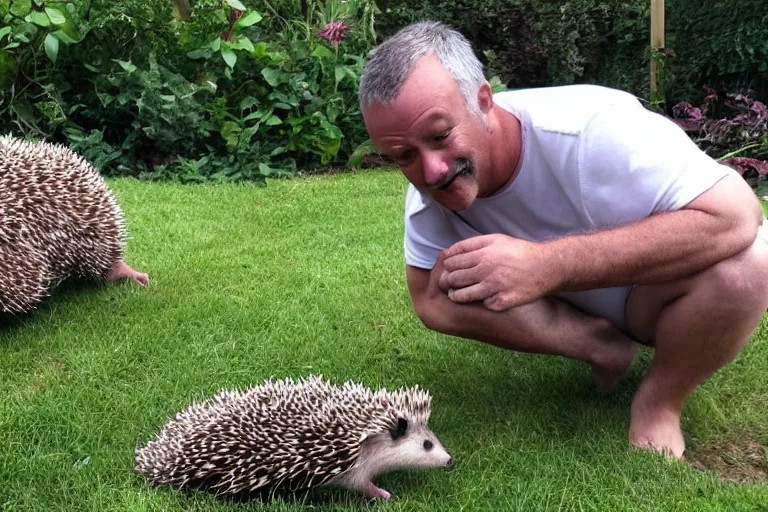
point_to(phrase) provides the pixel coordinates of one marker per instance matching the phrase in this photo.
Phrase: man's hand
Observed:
(501, 271)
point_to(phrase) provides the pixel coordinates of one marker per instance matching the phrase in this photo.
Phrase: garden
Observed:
(272, 234)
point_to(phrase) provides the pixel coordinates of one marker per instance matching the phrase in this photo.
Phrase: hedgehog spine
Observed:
(294, 435)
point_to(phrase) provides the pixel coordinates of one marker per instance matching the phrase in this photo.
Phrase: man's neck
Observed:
(506, 151)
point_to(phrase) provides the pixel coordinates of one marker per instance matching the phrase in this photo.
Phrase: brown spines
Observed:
(281, 434)
(57, 215)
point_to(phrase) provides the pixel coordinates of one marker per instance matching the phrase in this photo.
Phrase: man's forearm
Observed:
(546, 326)
(660, 248)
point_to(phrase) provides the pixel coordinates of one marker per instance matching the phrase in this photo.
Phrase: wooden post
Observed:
(657, 36)
(181, 9)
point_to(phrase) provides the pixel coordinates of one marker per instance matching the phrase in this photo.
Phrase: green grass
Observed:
(306, 276)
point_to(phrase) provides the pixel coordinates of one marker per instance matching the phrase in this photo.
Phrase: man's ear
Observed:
(485, 97)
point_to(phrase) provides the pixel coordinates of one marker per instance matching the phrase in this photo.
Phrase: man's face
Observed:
(440, 146)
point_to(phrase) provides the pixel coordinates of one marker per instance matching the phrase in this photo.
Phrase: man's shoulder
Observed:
(414, 201)
(565, 109)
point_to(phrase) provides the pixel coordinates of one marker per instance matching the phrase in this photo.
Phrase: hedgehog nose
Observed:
(449, 464)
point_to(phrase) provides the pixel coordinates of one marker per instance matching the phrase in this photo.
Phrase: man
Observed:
(568, 221)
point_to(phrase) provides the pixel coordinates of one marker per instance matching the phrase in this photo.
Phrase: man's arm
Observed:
(715, 226)
(505, 272)
(546, 326)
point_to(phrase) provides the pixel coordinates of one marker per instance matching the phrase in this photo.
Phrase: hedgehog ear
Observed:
(399, 430)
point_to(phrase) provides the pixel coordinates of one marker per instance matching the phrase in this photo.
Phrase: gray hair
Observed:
(390, 63)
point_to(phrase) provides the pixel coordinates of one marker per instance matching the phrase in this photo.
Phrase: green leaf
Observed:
(252, 115)
(248, 102)
(229, 57)
(260, 49)
(198, 54)
(8, 70)
(274, 121)
(266, 170)
(38, 18)
(51, 47)
(56, 16)
(127, 66)
(236, 4)
(21, 8)
(249, 19)
(361, 151)
(4, 31)
(497, 85)
(341, 71)
(230, 131)
(271, 75)
(242, 43)
(322, 52)
(66, 38)
(215, 44)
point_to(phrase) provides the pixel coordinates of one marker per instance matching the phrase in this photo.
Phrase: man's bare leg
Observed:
(554, 327)
(698, 325)
(121, 270)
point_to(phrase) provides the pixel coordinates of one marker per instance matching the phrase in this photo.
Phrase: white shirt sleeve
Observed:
(634, 163)
(428, 230)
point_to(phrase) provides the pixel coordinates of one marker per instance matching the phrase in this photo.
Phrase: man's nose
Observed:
(435, 167)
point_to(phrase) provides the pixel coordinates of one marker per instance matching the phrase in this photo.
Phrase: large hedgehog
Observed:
(58, 219)
(285, 435)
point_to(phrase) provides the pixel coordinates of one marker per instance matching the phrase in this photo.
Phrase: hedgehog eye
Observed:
(428, 445)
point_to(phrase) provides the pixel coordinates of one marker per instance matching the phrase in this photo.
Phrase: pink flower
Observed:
(334, 32)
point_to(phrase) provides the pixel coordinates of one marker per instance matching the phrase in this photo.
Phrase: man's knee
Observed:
(736, 287)
(742, 280)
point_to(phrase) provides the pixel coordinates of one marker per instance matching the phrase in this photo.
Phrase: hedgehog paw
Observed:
(374, 492)
(121, 270)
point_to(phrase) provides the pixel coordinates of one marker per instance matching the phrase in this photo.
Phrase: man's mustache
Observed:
(458, 167)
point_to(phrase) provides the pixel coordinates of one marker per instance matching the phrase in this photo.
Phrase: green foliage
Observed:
(720, 44)
(232, 92)
(233, 89)
(531, 43)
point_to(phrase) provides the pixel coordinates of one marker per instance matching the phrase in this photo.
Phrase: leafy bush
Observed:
(730, 127)
(717, 43)
(221, 89)
(228, 93)
(531, 43)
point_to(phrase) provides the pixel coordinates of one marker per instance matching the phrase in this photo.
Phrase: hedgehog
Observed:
(294, 436)
(58, 219)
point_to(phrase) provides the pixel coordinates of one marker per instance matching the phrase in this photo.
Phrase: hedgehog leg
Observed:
(121, 270)
(374, 492)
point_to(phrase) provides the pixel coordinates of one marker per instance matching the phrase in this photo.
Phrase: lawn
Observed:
(306, 276)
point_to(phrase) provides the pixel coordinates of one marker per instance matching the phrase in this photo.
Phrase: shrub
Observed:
(228, 93)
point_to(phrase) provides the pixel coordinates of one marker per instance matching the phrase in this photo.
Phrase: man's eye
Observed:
(442, 136)
(402, 158)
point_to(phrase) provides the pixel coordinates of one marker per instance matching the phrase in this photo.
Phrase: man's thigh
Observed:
(734, 278)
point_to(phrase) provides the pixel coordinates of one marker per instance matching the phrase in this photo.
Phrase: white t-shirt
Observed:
(591, 158)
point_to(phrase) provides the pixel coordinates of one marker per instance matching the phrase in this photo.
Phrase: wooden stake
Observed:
(657, 36)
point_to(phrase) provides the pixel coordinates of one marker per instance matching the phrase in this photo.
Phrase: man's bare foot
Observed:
(122, 271)
(612, 364)
(656, 427)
